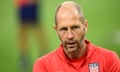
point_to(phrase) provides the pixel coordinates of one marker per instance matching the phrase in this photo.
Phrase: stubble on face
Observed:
(75, 49)
(66, 18)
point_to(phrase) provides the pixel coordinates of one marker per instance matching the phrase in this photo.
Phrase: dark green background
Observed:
(103, 29)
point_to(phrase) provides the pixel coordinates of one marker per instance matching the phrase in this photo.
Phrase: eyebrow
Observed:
(63, 28)
(75, 26)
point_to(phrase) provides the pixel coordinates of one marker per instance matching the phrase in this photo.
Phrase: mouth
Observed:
(71, 44)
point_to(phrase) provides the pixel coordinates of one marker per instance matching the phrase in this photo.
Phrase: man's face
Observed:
(71, 31)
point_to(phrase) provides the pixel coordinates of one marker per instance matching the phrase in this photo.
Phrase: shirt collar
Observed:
(89, 52)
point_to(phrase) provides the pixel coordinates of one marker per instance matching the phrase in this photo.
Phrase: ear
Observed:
(86, 25)
(55, 27)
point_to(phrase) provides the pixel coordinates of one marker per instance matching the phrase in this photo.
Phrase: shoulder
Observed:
(99, 51)
(109, 58)
(46, 57)
(107, 53)
(104, 53)
(42, 63)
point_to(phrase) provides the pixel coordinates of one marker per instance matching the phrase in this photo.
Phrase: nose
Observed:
(70, 34)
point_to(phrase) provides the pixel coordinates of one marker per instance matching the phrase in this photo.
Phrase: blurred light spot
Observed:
(116, 37)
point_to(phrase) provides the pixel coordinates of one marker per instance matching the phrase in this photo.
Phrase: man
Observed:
(75, 54)
(29, 18)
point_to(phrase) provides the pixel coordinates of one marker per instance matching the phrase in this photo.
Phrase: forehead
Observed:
(68, 20)
(67, 13)
(68, 24)
(68, 17)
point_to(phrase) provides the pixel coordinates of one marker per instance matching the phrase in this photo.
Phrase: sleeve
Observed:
(39, 66)
(112, 62)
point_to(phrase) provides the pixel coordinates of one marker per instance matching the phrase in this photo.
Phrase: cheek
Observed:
(61, 37)
(79, 34)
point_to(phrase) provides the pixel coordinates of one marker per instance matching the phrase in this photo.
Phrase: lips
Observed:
(71, 44)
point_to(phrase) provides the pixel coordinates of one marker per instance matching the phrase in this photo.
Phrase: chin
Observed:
(71, 50)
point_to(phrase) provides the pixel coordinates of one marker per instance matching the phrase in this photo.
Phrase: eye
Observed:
(75, 27)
